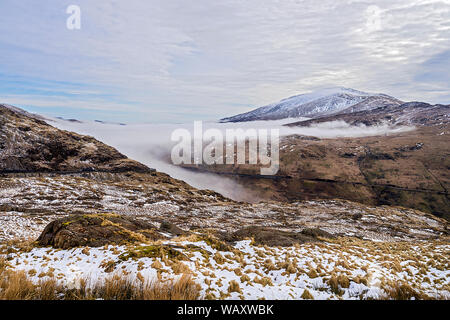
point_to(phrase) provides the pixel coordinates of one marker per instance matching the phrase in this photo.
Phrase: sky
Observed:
(179, 61)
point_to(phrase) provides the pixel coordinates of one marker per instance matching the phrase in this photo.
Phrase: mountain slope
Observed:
(410, 113)
(29, 144)
(315, 104)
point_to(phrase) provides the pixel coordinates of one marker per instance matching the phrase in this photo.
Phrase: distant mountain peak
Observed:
(318, 103)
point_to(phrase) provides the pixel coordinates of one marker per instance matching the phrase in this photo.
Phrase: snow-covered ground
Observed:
(29, 204)
(325, 270)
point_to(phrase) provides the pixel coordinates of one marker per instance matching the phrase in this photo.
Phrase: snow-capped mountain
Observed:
(323, 102)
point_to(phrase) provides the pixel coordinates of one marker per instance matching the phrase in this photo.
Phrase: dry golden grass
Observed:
(15, 285)
(245, 278)
(180, 268)
(210, 296)
(23, 245)
(312, 273)
(337, 283)
(264, 281)
(307, 295)
(157, 265)
(234, 287)
(403, 291)
(268, 265)
(238, 271)
(219, 258)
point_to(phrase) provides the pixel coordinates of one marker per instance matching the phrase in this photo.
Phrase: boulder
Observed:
(274, 237)
(95, 230)
(171, 228)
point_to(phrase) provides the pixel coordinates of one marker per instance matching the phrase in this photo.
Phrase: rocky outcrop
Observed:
(96, 230)
(274, 237)
(171, 228)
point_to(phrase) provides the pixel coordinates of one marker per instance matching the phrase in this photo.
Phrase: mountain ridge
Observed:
(319, 103)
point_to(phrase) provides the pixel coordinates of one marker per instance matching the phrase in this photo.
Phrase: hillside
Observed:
(29, 144)
(411, 113)
(144, 227)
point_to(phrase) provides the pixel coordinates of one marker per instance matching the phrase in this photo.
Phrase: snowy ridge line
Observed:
(319, 103)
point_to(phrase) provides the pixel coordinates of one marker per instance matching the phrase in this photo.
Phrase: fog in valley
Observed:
(151, 144)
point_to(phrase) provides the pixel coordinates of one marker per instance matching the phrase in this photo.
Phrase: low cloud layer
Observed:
(341, 129)
(151, 144)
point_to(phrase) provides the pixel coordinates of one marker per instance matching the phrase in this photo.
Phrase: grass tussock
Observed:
(307, 295)
(336, 283)
(234, 287)
(181, 268)
(403, 291)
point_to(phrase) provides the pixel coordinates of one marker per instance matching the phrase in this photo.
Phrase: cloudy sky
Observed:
(177, 60)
